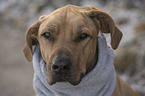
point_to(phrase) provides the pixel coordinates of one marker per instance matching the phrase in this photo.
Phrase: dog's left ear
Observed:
(31, 38)
(105, 24)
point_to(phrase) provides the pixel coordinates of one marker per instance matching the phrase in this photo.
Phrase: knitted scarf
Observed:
(100, 81)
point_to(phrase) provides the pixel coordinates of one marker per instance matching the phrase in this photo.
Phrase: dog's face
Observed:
(66, 36)
(68, 39)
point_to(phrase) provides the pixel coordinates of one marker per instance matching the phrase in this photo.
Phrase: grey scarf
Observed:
(100, 81)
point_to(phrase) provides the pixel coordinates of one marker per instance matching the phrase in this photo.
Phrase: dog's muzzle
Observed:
(61, 65)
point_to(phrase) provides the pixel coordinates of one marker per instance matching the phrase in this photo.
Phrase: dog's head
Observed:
(68, 40)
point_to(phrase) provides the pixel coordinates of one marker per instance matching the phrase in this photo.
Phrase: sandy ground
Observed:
(15, 72)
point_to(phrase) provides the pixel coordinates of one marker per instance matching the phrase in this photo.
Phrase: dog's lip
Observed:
(59, 78)
(64, 78)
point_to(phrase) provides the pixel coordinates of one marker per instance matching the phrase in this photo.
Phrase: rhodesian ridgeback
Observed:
(66, 36)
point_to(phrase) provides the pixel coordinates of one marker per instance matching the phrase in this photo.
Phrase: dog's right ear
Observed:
(105, 23)
(31, 38)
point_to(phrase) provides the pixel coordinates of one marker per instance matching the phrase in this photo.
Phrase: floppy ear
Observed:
(106, 24)
(31, 39)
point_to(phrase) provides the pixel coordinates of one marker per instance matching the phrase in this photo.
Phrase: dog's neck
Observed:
(93, 61)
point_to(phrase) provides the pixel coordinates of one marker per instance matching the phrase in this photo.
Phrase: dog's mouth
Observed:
(59, 78)
(73, 80)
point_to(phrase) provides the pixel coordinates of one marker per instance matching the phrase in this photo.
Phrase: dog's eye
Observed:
(83, 36)
(47, 35)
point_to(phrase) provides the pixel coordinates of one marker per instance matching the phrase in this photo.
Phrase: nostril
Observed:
(55, 67)
(66, 68)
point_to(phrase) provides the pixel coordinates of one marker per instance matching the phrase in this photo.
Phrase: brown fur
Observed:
(66, 24)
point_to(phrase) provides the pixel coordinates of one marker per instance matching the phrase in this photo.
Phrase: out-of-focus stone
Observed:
(140, 27)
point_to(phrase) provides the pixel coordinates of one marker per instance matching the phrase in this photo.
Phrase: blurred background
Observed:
(16, 74)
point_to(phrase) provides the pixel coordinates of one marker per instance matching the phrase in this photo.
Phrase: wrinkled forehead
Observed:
(66, 18)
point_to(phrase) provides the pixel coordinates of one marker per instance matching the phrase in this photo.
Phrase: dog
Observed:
(68, 44)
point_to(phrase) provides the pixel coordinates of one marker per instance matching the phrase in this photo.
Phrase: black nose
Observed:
(61, 66)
